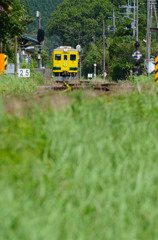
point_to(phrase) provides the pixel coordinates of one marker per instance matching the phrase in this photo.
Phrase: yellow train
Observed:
(65, 63)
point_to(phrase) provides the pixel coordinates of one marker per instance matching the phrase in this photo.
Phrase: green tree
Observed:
(93, 55)
(26, 6)
(78, 21)
(45, 7)
(13, 20)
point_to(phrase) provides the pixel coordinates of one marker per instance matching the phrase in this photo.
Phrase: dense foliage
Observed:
(13, 19)
(45, 7)
(26, 5)
(79, 21)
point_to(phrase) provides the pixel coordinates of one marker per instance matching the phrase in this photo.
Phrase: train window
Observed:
(73, 57)
(65, 57)
(58, 57)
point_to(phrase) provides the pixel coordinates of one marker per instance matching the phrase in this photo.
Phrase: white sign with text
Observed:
(24, 73)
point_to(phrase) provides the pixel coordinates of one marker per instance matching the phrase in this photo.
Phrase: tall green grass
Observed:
(87, 172)
(1, 112)
(9, 85)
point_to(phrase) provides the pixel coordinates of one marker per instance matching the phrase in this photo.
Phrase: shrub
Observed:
(120, 71)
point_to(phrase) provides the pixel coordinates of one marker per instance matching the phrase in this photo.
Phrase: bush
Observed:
(120, 71)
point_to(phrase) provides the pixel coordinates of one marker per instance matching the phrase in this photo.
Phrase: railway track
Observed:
(72, 85)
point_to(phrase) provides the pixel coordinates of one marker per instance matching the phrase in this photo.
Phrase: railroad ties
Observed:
(73, 85)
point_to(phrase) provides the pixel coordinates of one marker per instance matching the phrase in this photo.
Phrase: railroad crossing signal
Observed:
(40, 35)
(3, 63)
(137, 55)
(137, 45)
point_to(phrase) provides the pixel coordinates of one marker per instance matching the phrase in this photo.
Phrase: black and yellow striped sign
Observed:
(156, 70)
(3, 63)
(68, 87)
(6, 62)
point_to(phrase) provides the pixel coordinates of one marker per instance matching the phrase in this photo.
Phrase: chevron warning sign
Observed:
(156, 70)
(3, 63)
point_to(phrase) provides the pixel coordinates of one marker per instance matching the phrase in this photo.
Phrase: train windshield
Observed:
(65, 57)
(73, 57)
(58, 57)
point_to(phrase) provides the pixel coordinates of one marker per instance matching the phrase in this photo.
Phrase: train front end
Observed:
(65, 63)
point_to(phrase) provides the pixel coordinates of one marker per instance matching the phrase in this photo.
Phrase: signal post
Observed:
(40, 37)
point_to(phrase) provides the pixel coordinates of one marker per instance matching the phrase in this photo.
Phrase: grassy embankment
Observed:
(15, 86)
(87, 172)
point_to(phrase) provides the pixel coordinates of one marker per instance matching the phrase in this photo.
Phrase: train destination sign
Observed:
(137, 55)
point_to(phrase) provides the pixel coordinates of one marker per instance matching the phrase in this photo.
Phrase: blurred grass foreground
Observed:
(88, 172)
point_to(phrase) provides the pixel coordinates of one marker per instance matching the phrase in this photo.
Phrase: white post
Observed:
(95, 65)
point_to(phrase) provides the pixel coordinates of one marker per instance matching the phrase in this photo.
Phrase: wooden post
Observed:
(103, 50)
(15, 56)
(0, 45)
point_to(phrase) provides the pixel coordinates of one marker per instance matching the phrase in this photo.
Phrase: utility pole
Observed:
(15, 56)
(80, 67)
(104, 72)
(128, 10)
(137, 68)
(107, 56)
(148, 35)
(38, 15)
(127, 14)
(137, 20)
(80, 52)
(155, 15)
(113, 22)
(134, 18)
(150, 8)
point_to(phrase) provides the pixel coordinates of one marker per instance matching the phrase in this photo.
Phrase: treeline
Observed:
(45, 7)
